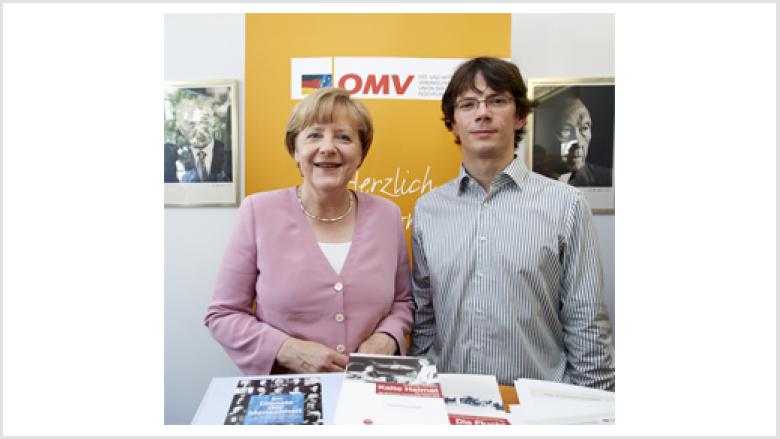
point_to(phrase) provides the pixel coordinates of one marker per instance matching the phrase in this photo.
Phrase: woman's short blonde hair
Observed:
(320, 107)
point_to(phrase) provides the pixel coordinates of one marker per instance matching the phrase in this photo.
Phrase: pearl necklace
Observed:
(323, 219)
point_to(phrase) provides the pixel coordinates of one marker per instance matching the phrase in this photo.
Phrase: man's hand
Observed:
(379, 343)
(309, 357)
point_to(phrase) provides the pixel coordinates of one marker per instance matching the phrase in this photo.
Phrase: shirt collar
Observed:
(515, 171)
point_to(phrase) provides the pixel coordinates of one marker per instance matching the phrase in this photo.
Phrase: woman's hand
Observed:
(309, 357)
(379, 343)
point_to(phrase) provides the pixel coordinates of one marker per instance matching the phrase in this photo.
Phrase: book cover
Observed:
(381, 390)
(290, 400)
(472, 399)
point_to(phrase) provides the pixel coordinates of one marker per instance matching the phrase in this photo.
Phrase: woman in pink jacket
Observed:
(326, 267)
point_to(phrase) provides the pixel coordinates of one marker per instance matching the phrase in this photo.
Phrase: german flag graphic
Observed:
(309, 83)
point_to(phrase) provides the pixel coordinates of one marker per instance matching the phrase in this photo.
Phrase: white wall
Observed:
(197, 47)
(212, 47)
(571, 45)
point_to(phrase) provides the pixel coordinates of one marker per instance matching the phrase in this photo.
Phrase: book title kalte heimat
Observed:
(382, 390)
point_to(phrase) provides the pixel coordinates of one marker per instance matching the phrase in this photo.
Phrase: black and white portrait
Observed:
(572, 134)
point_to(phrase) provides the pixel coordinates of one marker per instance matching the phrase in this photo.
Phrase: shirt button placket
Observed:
(481, 249)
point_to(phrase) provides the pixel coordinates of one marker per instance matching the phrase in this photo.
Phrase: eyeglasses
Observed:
(470, 105)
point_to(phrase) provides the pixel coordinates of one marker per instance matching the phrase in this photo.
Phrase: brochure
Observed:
(545, 402)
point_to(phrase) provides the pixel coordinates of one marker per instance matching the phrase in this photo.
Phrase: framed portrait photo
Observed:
(572, 135)
(201, 143)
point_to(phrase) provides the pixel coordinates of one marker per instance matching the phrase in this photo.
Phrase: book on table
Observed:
(472, 399)
(280, 400)
(382, 390)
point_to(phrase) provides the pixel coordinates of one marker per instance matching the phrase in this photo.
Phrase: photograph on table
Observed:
(390, 369)
(571, 135)
(201, 144)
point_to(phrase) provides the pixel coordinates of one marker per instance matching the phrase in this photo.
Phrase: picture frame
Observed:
(571, 135)
(201, 143)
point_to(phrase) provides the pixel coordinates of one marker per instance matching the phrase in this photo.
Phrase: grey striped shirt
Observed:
(509, 283)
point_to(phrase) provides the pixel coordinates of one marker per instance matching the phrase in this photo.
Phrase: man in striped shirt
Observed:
(507, 275)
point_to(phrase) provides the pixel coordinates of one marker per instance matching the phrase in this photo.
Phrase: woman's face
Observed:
(329, 154)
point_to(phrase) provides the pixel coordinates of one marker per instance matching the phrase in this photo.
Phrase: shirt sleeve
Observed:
(424, 330)
(587, 331)
(398, 322)
(249, 342)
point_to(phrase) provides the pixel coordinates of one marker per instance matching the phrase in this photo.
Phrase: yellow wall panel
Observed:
(410, 138)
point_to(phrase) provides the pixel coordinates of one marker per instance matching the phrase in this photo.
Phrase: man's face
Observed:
(194, 123)
(575, 133)
(486, 132)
